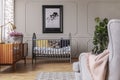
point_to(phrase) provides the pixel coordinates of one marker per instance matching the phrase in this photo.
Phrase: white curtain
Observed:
(9, 11)
(6, 15)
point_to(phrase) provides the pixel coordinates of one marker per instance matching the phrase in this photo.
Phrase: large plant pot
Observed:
(16, 39)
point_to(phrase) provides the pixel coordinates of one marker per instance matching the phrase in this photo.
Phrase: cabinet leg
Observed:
(0, 68)
(14, 66)
(25, 61)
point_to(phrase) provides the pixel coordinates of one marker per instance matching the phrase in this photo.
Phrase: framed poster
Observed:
(52, 18)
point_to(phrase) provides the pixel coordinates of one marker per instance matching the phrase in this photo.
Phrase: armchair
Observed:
(114, 55)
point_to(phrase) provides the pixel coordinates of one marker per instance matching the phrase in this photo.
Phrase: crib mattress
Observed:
(52, 51)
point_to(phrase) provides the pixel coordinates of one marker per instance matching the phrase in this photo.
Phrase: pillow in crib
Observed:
(42, 43)
(64, 42)
(54, 43)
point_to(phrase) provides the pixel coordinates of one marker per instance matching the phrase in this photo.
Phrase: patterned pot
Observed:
(16, 39)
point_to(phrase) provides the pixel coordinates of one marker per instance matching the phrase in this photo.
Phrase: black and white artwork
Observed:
(52, 18)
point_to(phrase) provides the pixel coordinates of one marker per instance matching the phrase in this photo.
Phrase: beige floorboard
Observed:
(29, 71)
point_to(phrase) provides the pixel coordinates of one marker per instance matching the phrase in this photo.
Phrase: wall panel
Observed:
(78, 19)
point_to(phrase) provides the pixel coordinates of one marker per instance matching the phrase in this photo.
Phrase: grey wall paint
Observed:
(78, 19)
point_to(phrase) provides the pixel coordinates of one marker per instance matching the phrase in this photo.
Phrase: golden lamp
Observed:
(10, 25)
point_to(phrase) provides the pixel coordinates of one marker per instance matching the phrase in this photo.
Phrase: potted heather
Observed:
(16, 37)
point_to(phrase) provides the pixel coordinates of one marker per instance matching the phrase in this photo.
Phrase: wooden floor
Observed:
(29, 71)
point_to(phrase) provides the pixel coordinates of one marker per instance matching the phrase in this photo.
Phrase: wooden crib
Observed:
(51, 49)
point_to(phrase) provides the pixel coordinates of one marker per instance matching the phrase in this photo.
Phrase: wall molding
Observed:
(51, 2)
(97, 2)
(82, 38)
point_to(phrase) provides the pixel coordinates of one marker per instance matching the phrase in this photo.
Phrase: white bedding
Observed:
(45, 50)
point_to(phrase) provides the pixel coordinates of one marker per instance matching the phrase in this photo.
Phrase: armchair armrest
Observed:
(76, 67)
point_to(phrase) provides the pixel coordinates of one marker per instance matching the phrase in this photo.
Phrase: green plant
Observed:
(100, 39)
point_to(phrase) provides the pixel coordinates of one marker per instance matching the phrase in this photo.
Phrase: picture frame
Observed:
(52, 18)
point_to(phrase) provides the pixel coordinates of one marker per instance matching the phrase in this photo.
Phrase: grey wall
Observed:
(78, 19)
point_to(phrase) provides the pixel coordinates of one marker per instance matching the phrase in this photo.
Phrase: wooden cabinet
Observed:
(11, 53)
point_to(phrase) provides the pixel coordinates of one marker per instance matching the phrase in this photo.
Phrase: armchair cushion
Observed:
(78, 76)
(76, 67)
(85, 73)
